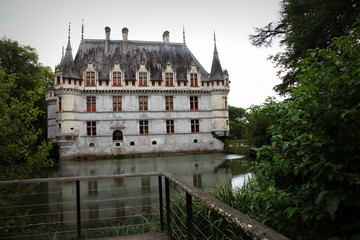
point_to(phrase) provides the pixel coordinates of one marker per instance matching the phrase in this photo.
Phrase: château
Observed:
(136, 97)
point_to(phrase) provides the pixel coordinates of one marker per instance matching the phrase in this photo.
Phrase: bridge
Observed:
(161, 207)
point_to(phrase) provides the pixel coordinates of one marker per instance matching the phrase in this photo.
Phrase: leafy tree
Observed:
(22, 111)
(258, 119)
(312, 163)
(305, 25)
(236, 116)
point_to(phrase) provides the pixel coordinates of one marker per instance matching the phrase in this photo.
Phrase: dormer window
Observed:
(169, 79)
(142, 79)
(90, 79)
(116, 78)
(193, 80)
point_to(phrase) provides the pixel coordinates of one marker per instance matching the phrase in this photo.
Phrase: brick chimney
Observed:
(107, 38)
(166, 37)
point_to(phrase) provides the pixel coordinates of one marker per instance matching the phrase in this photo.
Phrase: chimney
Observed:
(107, 38)
(166, 37)
(125, 32)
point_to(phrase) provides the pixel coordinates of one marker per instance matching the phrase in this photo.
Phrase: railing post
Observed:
(189, 216)
(167, 199)
(78, 210)
(161, 204)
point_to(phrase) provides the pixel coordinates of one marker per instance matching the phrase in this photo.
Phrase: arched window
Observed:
(117, 135)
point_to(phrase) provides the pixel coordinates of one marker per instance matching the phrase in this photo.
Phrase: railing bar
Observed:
(123, 226)
(118, 199)
(81, 178)
(37, 224)
(162, 227)
(78, 210)
(180, 220)
(39, 234)
(124, 217)
(189, 216)
(38, 205)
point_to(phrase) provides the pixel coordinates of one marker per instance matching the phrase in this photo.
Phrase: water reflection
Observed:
(116, 198)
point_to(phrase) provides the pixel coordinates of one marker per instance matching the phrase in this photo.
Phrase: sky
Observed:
(43, 24)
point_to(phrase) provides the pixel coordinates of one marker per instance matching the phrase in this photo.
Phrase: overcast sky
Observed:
(43, 24)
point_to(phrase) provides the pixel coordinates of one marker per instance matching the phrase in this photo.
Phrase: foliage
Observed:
(18, 134)
(236, 122)
(21, 64)
(305, 25)
(235, 146)
(258, 119)
(313, 159)
(207, 224)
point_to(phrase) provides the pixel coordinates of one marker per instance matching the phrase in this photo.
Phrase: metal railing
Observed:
(187, 212)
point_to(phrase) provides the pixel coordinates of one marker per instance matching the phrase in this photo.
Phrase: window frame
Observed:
(169, 103)
(195, 125)
(194, 81)
(90, 78)
(116, 78)
(144, 127)
(90, 104)
(118, 135)
(117, 103)
(170, 126)
(143, 81)
(91, 128)
(169, 79)
(143, 103)
(194, 103)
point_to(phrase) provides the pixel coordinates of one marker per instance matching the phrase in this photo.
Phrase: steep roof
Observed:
(130, 55)
(216, 69)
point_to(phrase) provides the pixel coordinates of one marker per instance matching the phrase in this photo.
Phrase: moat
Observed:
(113, 198)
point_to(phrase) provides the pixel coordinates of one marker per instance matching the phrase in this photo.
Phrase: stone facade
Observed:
(135, 97)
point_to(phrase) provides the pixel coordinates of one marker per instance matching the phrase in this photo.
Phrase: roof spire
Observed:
(69, 44)
(82, 30)
(184, 35)
(216, 69)
(215, 50)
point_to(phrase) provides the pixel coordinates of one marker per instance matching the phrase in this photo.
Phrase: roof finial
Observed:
(68, 47)
(214, 39)
(82, 30)
(184, 35)
(62, 55)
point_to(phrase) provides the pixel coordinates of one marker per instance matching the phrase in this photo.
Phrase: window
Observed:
(194, 125)
(170, 127)
(91, 128)
(144, 127)
(60, 104)
(91, 104)
(169, 103)
(116, 78)
(117, 135)
(90, 79)
(193, 80)
(225, 103)
(143, 79)
(58, 80)
(143, 103)
(194, 103)
(117, 103)
(169, 79)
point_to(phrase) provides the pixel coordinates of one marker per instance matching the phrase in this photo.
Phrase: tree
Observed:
(236, 121)
(22, 109)
(258, 118)
(305, 25)
(313, 160)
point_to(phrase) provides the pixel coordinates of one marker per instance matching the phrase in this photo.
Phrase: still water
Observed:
(200, 170)
(112, 199)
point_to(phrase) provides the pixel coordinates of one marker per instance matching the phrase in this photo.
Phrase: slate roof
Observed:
(130, 54)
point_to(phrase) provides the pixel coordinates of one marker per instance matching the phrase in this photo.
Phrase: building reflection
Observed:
(124, 197)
